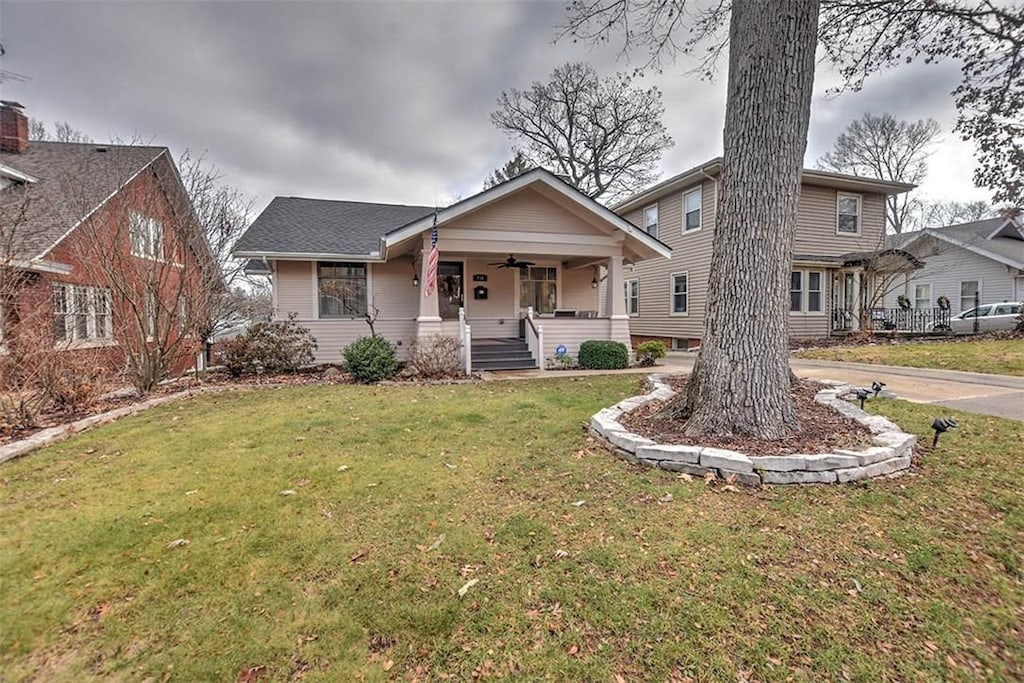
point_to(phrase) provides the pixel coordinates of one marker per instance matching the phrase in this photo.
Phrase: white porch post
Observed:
(615, 299)
(615, 304)
(428, 323)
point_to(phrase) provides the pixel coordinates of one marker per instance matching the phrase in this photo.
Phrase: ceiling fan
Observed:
(511, 262)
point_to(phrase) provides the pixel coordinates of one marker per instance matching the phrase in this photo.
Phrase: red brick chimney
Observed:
(13, 127)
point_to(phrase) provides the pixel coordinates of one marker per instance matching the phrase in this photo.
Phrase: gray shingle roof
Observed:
(296, 225)
(73, 180)
(974, 235)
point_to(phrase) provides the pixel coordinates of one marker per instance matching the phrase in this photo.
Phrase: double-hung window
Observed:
(970, 291)
(805, 291)
(651, 220)
(81, 313)
(691, 210)
(341, 289)
(146, 236)
(923, 296)
(633, 297)
(847, 214)
(679, 293)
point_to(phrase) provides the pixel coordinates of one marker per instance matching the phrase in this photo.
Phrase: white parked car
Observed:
(990, 317)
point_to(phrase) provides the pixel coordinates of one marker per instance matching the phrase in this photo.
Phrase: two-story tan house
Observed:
(838, 254)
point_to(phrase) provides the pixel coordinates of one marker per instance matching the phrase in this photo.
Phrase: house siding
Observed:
(390, 289)
(946, 266)
(691, 253)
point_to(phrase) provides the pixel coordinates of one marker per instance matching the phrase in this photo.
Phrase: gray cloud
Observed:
(381, 101)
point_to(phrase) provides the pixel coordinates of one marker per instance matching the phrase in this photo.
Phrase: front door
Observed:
(449, 289)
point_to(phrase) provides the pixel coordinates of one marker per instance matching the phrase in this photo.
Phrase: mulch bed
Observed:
(824, 429)
(897, 339)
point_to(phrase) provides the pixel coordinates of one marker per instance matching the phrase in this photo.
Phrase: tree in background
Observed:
(516, 166)
(741, 380)
(888, 148)
(603, 135)
(937, 214)
(62, 132)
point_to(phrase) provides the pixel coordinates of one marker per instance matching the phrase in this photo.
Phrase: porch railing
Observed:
(891, 319)
(535, 338)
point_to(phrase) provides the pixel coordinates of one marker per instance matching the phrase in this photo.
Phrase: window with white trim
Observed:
(81, 313)
(847, 214)
(923, 296)
(147, 236)
(651, 220)
(341, 289)
(970, 290)
(805, 291)
(679, 291)
(691, 210)
(633, 297)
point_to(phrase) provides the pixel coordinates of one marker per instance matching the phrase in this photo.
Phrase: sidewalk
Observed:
(998, 395)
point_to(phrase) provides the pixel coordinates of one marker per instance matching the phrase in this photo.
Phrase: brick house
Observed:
(99, 249)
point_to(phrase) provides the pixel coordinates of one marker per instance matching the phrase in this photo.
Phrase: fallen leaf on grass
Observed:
(388, 664)
(250, 674)
(451, 466)
(288, 492)
(300, 438)
(667, 498)
(436, 544)
(303, 482)
(192, 492)
(579, 503)
(342, 468)
(466, 586)
(730, 487)
(685, 477)
(561, 553)
(358, 555)
(178, 543)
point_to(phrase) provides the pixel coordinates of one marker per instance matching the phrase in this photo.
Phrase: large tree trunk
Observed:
(741, 381)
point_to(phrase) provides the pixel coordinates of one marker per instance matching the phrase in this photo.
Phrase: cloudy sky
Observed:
(375, 101)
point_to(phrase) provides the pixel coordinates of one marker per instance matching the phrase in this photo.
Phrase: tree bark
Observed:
(741, 381)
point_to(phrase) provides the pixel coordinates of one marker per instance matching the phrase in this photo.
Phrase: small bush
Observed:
(434, 358)
(596, 354)
(650, 351)
(370, 359)
(276, 346)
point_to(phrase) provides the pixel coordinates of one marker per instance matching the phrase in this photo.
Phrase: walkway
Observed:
(999, 395)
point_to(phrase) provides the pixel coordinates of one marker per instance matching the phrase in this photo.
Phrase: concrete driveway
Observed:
(999, 395)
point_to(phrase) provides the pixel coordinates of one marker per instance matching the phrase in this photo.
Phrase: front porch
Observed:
(522, 316)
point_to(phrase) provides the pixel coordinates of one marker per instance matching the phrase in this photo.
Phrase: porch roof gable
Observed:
(643, 245)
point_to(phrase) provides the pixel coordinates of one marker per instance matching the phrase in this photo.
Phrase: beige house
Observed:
(840, 264)
(520, 270)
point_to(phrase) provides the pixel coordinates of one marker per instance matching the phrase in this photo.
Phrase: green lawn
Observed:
(404, 495)
(1000, 357)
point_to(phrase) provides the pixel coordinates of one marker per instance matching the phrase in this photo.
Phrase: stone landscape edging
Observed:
(52, 435)
(890, 454)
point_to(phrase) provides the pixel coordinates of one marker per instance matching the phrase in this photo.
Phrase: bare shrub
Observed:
(434, 358)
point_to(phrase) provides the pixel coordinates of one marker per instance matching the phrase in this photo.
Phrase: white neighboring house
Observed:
(984, 258)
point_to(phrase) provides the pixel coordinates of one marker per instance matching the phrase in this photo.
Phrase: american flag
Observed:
(431, 284)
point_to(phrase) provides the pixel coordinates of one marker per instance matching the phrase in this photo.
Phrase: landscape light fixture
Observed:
(862, 395)
(877, 387)
(942, 425)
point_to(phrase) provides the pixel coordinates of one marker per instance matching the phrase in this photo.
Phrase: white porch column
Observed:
(615, 299)
(428, 323)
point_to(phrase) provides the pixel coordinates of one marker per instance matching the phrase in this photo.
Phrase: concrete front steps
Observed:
(502, 354)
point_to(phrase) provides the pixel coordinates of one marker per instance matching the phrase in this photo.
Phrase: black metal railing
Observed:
(891, 319)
